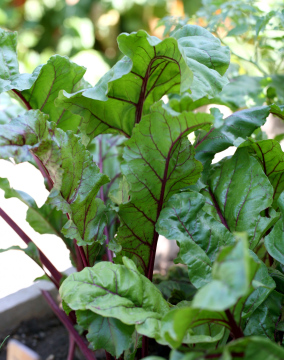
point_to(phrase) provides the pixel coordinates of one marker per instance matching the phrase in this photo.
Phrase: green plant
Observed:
(227, 218)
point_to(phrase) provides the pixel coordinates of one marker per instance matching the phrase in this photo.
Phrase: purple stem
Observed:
(89, 355)
(26, 103)
(108, 251)
(44, 172)
(72, 345)
(235, 329)
(56, 275)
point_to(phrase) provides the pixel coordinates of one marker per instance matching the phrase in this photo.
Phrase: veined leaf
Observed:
(264, 319)
(198, 234)
(239, 125)
(238, 192)
(150, 69)
(106, 333)
(116, 291)
(206, 58)
(58, 74)
(271, 157)
(126, 92)
(159, 161)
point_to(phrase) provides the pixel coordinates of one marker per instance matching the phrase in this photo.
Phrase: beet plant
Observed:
(124, 166)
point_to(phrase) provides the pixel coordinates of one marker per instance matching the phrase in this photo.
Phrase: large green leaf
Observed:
(206, 58)
(106, 333)
(239, 125)
(264, 319)
(10, 78)
(198, 234)
(150, 69)
(159, 161)
(238, 192)
(114, 291)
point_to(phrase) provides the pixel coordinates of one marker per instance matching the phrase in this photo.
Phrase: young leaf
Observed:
(198, 234)
(238, 192)
(159, 161)
(106, 333)
(116, 291)
(239, 125)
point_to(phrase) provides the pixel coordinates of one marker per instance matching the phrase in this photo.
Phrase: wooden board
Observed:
(18, 351)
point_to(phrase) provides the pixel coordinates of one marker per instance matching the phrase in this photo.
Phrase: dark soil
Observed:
(49, 338)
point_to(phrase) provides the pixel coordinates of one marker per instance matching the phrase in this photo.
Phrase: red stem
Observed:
(26, 103)
(89, 355)
(44, 171)
(56, 275)
(235, 329)
(72, 346)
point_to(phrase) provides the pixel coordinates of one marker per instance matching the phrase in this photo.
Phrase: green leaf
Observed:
(278, 111)
(176, 324)
(75, 176)
(150, 69)
(238, 192)
(230, 278)
(271, 157)
(58, 74)
(198, 234)
(10, 78)
(106, 333)
(159, 161)
(206, 58)
(239, 125)
(274, 240)
(117, 291)
(264, 319)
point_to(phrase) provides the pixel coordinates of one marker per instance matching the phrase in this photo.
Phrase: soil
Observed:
(49, 338)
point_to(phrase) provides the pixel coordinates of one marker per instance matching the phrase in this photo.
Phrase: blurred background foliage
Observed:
(86, 31)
